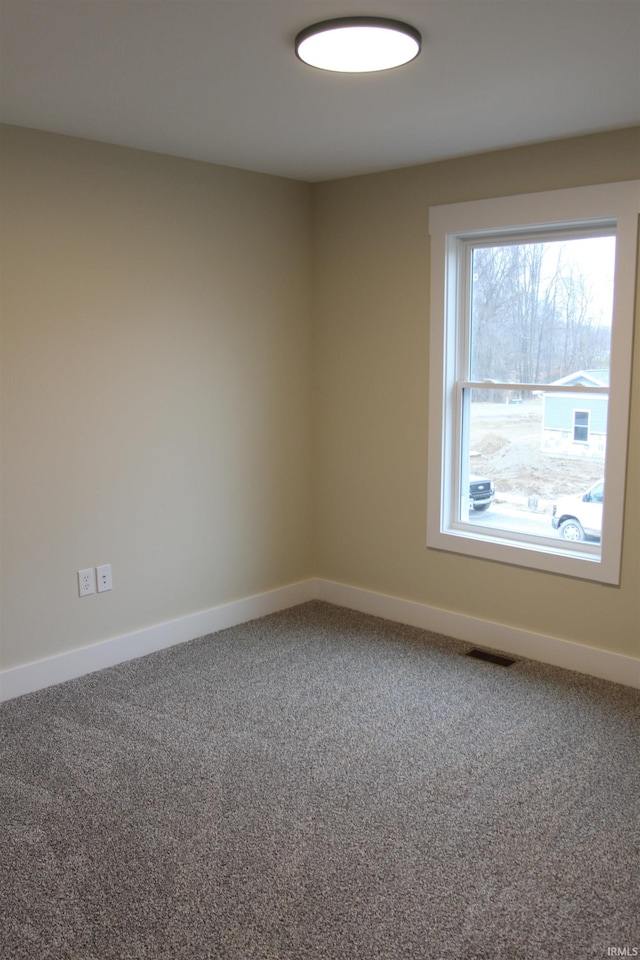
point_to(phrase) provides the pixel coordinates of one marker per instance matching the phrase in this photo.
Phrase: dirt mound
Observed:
(523, 469)
(491, 443)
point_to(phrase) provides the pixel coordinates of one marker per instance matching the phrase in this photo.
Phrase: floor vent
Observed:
(490, 657)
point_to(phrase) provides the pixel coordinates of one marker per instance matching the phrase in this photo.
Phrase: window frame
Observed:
(581, 426)
(453, 228)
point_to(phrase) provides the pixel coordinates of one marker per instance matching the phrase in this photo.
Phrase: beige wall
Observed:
(371, 336)
(155, 388)
(168, 406)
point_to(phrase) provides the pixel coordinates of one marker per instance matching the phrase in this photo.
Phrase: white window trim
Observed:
(581, 426)
(448, 226)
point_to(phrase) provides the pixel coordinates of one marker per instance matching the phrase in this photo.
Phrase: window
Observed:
(581, 426)
(531, 334)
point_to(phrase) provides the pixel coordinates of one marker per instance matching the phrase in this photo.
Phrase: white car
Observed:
(579, 517)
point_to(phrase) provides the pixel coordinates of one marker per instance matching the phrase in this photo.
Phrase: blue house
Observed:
(575, 425)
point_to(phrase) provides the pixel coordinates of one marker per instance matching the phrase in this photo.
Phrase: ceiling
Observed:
(218, 80)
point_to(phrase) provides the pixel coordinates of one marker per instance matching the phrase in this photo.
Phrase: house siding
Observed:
(558, 422)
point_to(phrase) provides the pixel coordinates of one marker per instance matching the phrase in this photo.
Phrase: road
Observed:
(501, 516)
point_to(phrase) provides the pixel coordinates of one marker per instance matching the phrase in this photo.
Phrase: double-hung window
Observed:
(531, 337)
(581, 426)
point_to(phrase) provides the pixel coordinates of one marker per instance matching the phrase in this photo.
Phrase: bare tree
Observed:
(534, 317)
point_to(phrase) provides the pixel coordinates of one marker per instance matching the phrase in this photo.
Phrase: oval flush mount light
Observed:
(358, 44)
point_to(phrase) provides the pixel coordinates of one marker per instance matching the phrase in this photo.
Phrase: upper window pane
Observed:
(542, 311)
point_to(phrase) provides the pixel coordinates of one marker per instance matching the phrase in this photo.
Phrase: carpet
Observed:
(320, 784)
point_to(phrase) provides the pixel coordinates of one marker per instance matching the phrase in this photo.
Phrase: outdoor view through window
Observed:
(534, 434)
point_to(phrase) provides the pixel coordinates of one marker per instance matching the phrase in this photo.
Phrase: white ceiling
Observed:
(218, 80)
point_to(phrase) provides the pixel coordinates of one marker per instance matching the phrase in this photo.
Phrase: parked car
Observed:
(579, 517)
(481, 492)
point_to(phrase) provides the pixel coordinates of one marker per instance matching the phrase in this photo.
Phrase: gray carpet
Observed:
(320, 784)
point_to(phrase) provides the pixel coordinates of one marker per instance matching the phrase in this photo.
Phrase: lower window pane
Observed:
(526, 471)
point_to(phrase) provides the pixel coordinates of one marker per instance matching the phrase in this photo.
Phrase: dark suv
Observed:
(481, 492)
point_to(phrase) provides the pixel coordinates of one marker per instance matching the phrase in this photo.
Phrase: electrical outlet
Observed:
(86, 582)
(104, 577)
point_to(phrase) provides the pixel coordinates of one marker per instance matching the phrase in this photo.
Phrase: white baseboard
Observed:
(76, 663)
(522, 643)
(560, 653)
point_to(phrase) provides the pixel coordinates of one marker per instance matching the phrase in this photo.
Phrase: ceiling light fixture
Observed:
(358, 44)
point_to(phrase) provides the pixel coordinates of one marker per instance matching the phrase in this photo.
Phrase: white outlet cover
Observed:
(86, 582)
(104, 577)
